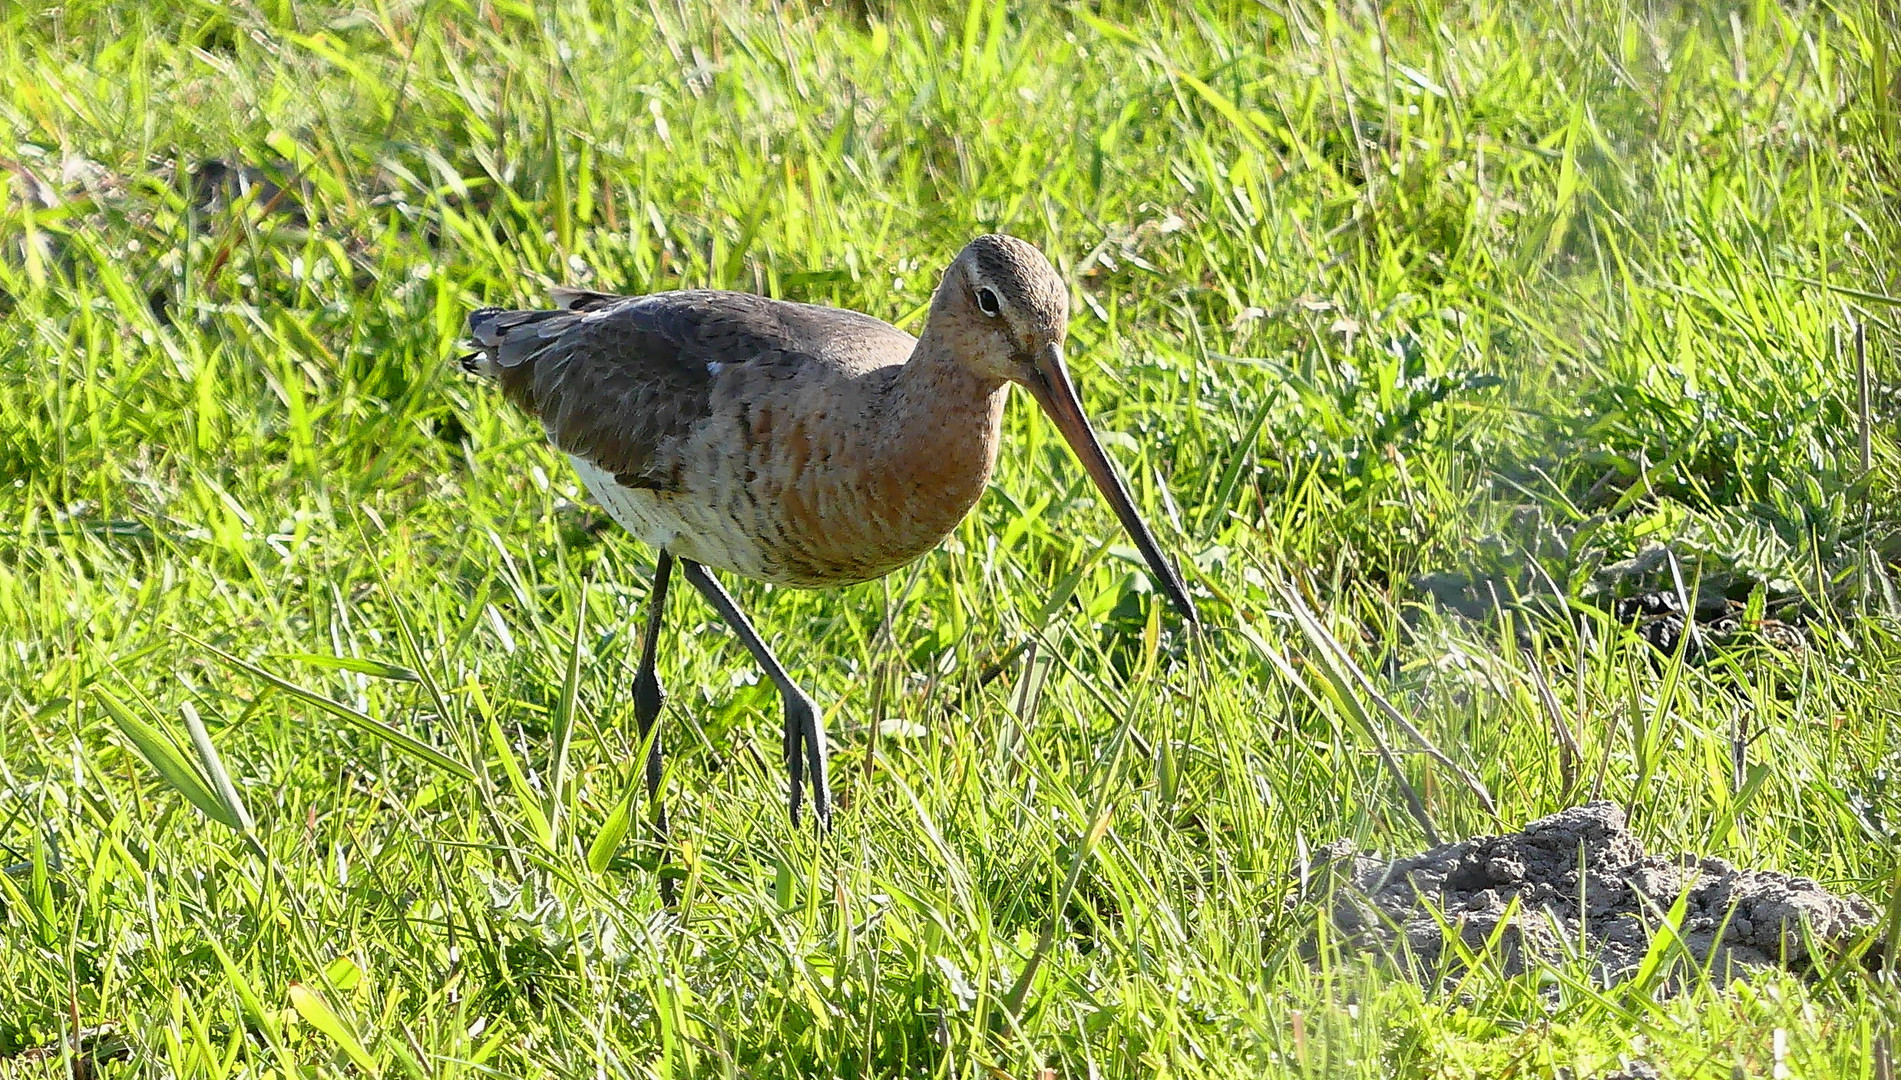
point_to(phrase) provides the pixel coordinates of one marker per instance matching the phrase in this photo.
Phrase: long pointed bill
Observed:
(1051, 388)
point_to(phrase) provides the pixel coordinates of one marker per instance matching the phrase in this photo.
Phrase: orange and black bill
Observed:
(1052, 389)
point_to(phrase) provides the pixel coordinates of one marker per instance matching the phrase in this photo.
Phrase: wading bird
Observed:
(795, 444)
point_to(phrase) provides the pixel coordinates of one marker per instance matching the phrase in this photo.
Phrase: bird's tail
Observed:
(484, 328)
(505, 339)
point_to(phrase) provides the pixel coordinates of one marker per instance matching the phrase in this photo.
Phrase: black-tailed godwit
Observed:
(795, 444)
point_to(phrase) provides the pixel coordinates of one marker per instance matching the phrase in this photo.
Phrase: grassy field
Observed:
(1442, 299)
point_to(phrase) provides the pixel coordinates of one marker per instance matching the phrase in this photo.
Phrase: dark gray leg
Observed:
(648, 698)
(804, 727)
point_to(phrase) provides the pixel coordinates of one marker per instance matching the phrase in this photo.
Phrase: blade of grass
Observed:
(161, 752)
(399, 740)
(1346, 676)
(564, 716)
(373, 668)
(221, 785)
(1341, 698)
(317, 1012)
(1105, 810)
(531, 806)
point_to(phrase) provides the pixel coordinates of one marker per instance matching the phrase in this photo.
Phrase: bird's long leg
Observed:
(804, 727)
(648, 698)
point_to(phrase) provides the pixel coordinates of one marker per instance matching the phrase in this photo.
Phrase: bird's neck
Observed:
(936, 438)
(922, 454)
(941, 407)
(937, 377)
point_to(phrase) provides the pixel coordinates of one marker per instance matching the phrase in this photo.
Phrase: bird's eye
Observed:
(988, 304)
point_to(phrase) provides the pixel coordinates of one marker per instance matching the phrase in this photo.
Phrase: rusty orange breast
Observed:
(856, 502)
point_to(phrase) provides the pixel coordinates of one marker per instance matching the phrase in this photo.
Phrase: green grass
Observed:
(1495, 290)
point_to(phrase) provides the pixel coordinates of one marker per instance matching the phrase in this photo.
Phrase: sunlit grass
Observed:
(1499, 291)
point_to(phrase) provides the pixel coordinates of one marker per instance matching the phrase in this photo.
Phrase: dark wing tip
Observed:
(482, 323)
(567, 299)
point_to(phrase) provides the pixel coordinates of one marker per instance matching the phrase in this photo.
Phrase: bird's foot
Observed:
(805, 752)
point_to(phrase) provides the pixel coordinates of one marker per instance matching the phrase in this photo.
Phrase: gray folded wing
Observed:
(620, 381)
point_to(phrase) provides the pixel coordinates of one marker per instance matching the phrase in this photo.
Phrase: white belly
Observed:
(682, 526)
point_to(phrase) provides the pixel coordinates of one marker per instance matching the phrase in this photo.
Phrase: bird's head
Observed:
(1006, 311)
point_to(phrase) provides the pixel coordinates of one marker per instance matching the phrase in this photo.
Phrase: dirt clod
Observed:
(1583, 885)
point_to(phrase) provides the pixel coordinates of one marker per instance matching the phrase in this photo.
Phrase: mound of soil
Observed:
(1584, 886)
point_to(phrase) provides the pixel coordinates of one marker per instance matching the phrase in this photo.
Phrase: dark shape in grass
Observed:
(216, 184)
(96, 1045)
(1640, 592)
